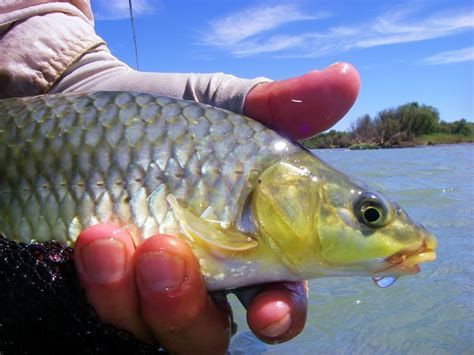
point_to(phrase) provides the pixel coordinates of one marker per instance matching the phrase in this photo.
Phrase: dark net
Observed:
(43, 310)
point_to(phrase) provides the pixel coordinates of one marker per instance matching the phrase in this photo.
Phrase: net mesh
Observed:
(44, 310)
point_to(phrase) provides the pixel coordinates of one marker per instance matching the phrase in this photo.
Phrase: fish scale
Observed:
(69, 161)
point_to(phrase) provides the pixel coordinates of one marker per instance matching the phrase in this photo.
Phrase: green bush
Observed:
(363, 146)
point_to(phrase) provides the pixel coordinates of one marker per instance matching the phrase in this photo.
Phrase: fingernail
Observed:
(103, 260)
(278, 328)
(159, 271)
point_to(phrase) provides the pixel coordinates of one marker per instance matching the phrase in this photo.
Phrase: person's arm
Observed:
(298, 107)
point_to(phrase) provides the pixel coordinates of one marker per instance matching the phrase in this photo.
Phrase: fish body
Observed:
(254, 206)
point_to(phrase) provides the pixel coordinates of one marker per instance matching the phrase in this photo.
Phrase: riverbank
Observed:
(443, 138)
(408, 125)
(322, 141)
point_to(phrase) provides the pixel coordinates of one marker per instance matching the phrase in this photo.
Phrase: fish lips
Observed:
(405, 262)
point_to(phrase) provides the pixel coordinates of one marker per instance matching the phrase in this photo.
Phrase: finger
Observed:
(278, 312)
(104, 262)
(174, 301)
(303, 106)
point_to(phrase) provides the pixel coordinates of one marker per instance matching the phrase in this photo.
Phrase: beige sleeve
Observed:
(35, 52)
(100, 70)
(59, 51)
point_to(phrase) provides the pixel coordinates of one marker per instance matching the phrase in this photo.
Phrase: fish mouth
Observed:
(406, 261)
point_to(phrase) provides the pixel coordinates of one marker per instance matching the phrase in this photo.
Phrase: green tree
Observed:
(417, 120)
(388, 126)
(461, 127)
(363, 130)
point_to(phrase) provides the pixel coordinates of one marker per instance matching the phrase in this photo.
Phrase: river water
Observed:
(429, 313)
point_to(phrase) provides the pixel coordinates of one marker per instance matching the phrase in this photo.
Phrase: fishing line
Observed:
(134, 35)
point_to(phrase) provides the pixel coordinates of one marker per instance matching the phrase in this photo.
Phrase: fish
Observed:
(253, 205)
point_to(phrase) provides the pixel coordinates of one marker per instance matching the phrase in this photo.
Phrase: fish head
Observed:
(323, 222)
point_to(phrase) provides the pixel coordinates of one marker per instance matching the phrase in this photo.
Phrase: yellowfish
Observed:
(254, 207)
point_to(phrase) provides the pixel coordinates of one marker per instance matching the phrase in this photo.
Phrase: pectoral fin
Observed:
(210, 232)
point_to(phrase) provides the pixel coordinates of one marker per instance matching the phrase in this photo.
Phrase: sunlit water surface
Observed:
(429, 313)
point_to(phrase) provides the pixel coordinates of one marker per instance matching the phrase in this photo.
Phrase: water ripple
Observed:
(429, 313)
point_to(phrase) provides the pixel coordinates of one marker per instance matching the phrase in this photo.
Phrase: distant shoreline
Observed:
(408, 125)
(431, 139)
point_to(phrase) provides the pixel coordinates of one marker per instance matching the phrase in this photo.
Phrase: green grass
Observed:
(443, 138)
(332, 141)
(363, 146)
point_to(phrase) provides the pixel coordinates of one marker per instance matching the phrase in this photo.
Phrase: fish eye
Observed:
(371, 214)
(370, 210)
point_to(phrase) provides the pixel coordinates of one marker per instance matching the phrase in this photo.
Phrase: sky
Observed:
(405, 51)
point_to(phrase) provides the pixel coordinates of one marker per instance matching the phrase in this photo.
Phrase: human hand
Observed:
(303, 106)
(156, 291)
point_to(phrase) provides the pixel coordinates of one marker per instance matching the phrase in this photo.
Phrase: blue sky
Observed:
(404, 50)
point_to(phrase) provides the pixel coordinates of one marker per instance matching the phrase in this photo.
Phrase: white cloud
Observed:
(272, 44)
(118, 9)
(231, 31)
(255, 31)
(461, 55)
(393, 29)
